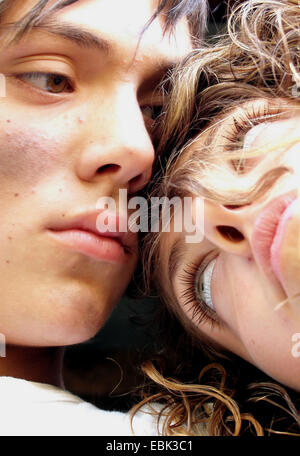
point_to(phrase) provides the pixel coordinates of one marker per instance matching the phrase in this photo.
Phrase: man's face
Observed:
(74, 128)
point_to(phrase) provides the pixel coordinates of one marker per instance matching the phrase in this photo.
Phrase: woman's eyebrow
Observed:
(76, 34)
(175, 258)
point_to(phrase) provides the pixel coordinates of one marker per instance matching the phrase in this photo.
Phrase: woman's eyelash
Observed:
(246, 120)
(241, 124)
(201, 312)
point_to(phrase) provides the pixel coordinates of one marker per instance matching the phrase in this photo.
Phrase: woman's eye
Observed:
(252, 134)
(197, 290)
(203, 284)
(246, 144)
(49, 82)
(241, 135)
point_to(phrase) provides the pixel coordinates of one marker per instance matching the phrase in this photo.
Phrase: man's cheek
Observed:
(27, 155)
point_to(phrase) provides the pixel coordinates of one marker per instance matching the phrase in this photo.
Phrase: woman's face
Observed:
(231, 284)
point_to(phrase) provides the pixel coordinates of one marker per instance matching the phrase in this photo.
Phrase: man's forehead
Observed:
(124, 23)
(119, 31)
(117, 24)
(168, 12)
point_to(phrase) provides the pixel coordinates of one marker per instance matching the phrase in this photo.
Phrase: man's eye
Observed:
(49, 82)
(151, 112)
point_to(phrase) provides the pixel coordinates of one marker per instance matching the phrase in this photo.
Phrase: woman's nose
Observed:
(228, 227)
(117, 144)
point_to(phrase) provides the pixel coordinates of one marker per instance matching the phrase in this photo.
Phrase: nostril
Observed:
(233, 207)
(137, 183)
(230, 233)
(112, 168)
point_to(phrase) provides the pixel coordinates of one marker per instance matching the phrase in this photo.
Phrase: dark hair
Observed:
(194, 10)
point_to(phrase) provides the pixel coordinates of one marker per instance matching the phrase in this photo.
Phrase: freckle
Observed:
(7, 262)
(60, 190)
(9, 237)
(16, 195)
(63, 215)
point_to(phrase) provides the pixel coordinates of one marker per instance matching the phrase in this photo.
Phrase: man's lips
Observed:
(265, 229)
(84, 235)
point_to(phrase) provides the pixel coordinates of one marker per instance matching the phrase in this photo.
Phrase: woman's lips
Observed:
(289, 241)
(265, 232)
(99, 247)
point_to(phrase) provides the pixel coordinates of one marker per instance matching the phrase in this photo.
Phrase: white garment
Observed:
(34, 409)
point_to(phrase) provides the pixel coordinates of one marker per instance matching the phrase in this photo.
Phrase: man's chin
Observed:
(81, 315)
(67, 314)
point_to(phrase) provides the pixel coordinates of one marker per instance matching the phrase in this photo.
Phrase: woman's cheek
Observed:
(270, 347)
(254, 330)
(239, 297)
(224, 289)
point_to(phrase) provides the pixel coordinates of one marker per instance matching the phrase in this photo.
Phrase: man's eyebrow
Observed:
(76, 34)
(175, 258)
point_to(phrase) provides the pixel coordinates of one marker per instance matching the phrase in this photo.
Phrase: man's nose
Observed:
(115, 142)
